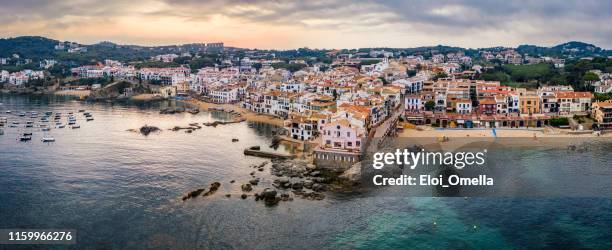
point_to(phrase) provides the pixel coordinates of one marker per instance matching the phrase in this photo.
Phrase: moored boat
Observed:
(48, 139)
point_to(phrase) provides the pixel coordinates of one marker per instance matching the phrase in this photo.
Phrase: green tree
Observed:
(430, 105)
(440, 75)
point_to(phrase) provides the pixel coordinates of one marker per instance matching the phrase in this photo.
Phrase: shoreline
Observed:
(425, 131)
(77, 93)
(245, 114)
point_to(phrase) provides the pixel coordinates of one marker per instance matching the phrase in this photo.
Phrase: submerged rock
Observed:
(146, 130)
(246, 187)
(211, 190)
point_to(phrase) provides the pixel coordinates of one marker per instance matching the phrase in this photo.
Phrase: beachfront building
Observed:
(302, 127)
(487, 106)
(464, 106)
(341, 145)
(413, 103)
(529, 103)
(223, 94)
(574, 102)
(602, 113)
(514, 103)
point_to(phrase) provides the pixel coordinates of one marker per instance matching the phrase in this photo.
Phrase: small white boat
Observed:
(22, 114)
(8, 111)
(48, 139)
(25, 138)
(45, 129)
(61, 126)
(90, 118)
(76, 126)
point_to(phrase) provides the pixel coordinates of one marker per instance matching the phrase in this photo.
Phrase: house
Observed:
(413, 103)
(574, 102)
(223, 94)
(464, 106)
(513, 103)
(341, 145)
(501, 102)
(301, 127)
(167, 91)
(487, 106)
(529, 103)
(602, 113)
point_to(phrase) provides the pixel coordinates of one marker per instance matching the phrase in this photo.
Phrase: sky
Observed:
(313, 23)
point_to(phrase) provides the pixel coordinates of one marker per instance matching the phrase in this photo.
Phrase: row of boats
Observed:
(48, 116)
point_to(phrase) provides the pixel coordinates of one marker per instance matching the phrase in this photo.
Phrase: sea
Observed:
(122, 190)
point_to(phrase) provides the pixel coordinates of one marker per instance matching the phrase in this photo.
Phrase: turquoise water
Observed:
(121, 190)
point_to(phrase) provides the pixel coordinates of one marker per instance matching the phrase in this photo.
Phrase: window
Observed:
(357, 143)
(350, 144)
(348, 134)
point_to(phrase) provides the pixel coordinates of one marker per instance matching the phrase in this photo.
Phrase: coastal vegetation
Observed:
(575, 73)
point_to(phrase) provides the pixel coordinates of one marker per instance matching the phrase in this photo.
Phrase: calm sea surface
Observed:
(121, 190)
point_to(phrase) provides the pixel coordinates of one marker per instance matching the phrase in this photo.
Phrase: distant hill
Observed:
(38, 48)
(34, 47)
(573, 49)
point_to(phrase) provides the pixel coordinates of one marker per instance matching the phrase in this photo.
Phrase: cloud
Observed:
(399, 23)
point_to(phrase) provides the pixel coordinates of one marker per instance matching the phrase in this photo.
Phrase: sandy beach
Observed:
(78, 93)
(433, 138)
(426, 131)
(145, 97)
(247, 114)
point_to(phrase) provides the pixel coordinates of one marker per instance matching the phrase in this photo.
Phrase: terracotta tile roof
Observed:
(574, 95)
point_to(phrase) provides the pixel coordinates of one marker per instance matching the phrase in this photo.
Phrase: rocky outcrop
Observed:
(195, 193)
(146, 130)
(353, 174)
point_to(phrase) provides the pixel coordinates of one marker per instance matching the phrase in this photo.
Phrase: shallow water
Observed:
(120, 189)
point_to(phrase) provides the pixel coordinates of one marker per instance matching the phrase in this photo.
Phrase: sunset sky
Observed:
(314, 24)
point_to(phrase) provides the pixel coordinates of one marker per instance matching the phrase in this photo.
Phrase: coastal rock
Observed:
(353, 174)
(146, 130)
(246, 187)
(243, 196)
(283, 180)
(308, 183)
(269, 197)
(254, 182)
(318, 187)
(193, 194)
(297, 185)
(213, 188)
